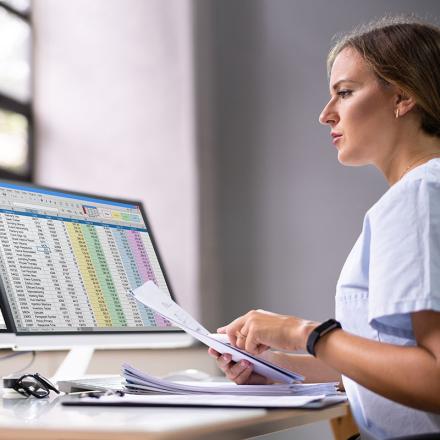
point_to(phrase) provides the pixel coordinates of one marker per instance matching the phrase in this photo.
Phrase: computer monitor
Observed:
(67, 264)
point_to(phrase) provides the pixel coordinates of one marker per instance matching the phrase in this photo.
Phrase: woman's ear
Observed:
(403, 103)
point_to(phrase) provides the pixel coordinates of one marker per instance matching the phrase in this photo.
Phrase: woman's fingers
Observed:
(240, 372)
(213, 353)
(232, 330)
(240, 341)
(223, 362)
(258, 330)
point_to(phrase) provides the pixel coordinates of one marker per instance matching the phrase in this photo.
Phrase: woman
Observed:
(384, 110)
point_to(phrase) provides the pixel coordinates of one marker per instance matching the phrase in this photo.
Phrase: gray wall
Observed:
(287, 212)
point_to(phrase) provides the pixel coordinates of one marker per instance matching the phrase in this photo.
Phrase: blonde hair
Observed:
(403, 51)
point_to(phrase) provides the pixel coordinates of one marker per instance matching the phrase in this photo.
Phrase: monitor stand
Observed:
(75, 363)
(7, 340)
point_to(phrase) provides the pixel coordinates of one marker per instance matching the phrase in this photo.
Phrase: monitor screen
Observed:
(68, 262)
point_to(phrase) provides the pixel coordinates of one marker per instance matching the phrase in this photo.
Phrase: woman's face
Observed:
(360, 111)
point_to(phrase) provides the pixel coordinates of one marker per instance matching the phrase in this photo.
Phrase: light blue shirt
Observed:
(393, 270)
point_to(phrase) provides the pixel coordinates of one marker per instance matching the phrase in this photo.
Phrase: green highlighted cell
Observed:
(104, 277)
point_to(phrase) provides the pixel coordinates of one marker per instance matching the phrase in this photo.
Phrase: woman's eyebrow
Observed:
(337, 83)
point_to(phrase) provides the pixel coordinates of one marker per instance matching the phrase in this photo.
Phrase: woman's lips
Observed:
(336, 137)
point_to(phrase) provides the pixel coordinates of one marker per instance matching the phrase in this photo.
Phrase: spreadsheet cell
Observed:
(71, 266)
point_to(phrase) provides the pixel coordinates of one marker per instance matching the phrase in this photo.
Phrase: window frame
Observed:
(25, 109)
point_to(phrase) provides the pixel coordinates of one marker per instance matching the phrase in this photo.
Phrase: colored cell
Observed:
(88, 275)
(133, 275)
(143, 265)
(103, 275)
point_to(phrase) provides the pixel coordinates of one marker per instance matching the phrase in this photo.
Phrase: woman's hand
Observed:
(258, 330)
(240, 372)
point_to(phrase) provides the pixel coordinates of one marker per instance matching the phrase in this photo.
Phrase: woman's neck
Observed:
(409, 154)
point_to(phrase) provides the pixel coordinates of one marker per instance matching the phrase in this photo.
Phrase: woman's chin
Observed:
(349, 160)
(343, 158)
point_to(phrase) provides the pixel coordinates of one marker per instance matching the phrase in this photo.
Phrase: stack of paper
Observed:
(138, 382)
(150, 295)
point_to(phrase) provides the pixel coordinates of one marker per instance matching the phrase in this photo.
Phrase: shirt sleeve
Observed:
(404, 272)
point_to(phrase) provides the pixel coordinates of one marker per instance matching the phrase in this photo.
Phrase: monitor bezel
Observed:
(4, 303)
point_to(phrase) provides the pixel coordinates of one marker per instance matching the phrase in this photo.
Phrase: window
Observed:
(16, 127)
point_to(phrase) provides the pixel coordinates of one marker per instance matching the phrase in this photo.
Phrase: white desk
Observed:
(48, 420)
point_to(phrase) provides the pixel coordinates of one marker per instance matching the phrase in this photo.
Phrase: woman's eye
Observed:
(344, 93)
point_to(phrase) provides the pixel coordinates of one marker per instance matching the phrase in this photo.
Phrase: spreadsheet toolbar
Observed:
(68, 263)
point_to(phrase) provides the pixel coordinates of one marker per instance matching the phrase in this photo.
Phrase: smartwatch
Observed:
(320, 331)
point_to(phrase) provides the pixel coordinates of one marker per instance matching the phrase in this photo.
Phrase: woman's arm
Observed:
(408, 375)
(313, 369)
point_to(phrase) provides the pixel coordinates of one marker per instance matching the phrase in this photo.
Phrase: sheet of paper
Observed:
(207, 400)
(150, 295)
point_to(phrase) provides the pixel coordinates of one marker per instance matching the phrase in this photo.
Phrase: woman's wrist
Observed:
(309, 326)
(299, 334)
(320, 332)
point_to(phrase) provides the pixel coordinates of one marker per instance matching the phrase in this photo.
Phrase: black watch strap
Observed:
(320, 331)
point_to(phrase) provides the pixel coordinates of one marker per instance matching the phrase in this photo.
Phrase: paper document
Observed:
(139, 382)
(214, 401)
(150, 295)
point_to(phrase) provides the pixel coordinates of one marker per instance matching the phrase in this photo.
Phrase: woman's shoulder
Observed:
(420, 187)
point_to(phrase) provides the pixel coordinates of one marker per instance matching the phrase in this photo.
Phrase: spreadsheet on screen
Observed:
(68, 262)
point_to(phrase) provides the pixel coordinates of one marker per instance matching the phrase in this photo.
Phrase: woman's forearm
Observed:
(313, 369)
(407, 375)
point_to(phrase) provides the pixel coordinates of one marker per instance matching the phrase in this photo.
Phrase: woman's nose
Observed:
(328, 115)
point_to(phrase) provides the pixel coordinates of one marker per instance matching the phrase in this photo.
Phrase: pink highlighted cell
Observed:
(143, 266)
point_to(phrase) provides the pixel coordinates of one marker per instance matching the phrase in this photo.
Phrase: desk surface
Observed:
(47, 419)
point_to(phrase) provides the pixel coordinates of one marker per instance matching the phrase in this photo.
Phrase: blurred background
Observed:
(207, 111)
